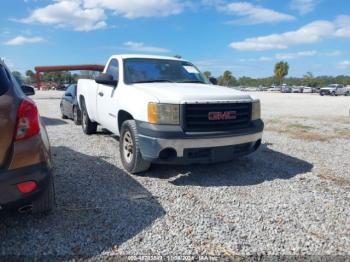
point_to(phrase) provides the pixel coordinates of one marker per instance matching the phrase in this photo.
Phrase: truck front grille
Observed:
(196, 117)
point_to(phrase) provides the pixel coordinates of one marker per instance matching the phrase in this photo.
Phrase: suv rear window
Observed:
(5, 82)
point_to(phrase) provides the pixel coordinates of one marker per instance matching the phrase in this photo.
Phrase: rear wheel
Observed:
(76, 116)
(47, 201)
(63, 116)
(88, 126)
(129, 149)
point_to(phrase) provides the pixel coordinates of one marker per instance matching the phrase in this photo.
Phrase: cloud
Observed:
(311, 33)
(4, 31)
(71, 14)
(21, 40)
(343, 24)
(304, 6)
(141, 47)
(296, 55)
(254, 14)
(333, 53)
(88, 15)
(288, 56)
(344, 64)
(138, 8)
(264, 58)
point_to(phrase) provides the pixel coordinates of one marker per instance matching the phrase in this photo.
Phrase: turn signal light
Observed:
(152, 113)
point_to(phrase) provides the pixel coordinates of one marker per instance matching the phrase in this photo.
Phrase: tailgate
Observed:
(8, 112)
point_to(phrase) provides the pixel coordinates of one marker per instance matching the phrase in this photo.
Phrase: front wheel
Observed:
(130, 150)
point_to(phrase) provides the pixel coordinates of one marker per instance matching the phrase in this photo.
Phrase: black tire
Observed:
(333, 94)
(88, 126)
(132, 162)
(347, 93)
(321, 94)
(46, 203)
(76, 116)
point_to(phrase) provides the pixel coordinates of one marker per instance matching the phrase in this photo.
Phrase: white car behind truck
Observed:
(164, 110)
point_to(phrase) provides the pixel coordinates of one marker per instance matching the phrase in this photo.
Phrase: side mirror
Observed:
(213, 80)
(105, 79)
(28, 90)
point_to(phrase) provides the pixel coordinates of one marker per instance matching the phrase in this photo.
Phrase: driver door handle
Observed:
(101, 94)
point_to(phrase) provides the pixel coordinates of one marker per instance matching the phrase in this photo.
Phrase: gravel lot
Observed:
(290, 198)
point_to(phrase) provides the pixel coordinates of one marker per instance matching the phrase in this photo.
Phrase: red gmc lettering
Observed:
(216, 116)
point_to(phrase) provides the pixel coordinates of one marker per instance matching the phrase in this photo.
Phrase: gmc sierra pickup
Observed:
(164, 110)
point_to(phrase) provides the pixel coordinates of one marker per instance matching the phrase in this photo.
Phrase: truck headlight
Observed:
(256, 110)
(163, 114)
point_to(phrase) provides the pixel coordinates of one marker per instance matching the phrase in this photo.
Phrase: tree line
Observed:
(280, 72)
(60, 77)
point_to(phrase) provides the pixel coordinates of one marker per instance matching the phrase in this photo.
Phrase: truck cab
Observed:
(166, 111)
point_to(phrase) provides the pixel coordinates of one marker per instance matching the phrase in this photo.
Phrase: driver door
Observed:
(106, 99)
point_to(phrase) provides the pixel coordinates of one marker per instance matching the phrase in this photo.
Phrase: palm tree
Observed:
(227, 79)
(207, 74)
(281, 70)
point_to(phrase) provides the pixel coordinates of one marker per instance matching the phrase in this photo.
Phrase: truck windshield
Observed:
(145, 70)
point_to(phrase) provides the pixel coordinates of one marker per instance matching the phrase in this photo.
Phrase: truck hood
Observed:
(180, 93)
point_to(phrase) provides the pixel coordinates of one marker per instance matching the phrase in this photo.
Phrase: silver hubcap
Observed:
(128, 147)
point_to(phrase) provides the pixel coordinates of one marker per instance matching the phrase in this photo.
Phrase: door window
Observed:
(113, 69)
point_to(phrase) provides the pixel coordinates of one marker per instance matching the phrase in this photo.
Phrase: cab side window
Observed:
(113, 69)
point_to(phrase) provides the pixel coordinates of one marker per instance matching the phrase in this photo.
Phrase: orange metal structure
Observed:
(41, 69)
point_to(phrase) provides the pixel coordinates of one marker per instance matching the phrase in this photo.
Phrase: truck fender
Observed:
(122, 117)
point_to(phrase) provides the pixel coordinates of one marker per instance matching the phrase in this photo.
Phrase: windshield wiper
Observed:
(154, 81)
(192, 81)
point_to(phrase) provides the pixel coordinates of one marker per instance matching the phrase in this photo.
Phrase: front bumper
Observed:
(11, 197)
(169, 144)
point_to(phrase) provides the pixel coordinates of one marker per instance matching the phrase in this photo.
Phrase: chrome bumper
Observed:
(180, 144)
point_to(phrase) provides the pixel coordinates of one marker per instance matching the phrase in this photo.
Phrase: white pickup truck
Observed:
(164, 110)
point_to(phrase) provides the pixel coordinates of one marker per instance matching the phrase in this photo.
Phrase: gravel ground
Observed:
(290, 198)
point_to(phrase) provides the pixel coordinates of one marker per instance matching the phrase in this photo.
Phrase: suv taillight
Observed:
(27, 120)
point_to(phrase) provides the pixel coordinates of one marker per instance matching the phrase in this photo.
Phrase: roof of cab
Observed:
(125, 56)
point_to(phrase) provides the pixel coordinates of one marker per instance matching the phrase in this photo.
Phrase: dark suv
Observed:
(26, 181)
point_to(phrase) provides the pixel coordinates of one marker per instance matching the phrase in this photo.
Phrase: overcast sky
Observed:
(246, 37)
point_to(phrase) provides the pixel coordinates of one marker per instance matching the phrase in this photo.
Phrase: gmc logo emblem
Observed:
(216, 116)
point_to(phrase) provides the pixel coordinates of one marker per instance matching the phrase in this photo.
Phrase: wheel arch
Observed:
(81, 101)
(122, 117)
